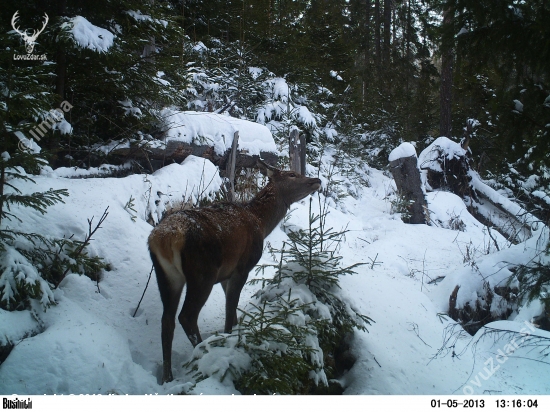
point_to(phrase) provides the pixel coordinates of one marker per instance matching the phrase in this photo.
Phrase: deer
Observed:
(29, 40)
(217, 244)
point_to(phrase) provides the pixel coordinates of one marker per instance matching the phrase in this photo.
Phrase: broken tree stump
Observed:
(404, 168)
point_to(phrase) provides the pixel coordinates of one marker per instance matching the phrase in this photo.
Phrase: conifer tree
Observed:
(30, 263)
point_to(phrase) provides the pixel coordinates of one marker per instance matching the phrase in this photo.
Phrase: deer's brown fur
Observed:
(218, 244)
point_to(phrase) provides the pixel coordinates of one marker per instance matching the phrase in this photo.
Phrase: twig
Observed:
(492, 238)
(374, 262)
(374, 357)
(416, 331)
(144, 290)
(423, 271)
(86, 242)
(435, 280)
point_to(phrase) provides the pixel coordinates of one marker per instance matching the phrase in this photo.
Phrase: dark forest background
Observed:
(378, 72)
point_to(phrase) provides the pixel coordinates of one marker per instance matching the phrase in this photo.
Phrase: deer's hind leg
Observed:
(170, 282)
(199, 287)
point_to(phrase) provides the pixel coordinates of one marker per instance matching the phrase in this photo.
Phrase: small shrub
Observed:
(400, 204)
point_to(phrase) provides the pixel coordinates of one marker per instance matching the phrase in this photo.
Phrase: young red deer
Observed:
(218, 244)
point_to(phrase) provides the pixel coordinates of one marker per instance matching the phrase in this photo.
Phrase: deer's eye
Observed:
(292, 174)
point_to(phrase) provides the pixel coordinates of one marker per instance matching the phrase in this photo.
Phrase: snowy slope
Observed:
(92, 344)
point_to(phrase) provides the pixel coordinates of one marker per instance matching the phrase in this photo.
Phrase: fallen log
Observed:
(177, 151)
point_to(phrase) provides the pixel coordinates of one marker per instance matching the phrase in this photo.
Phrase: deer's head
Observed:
(291, 186)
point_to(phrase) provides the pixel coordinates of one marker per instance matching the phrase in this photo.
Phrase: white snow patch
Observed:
(518, 106)
(541, 195)
(88, 36)
(403, 150)
(440, 149)
(217, 130)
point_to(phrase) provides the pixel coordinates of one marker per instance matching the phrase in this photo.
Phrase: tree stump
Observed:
(404, 168)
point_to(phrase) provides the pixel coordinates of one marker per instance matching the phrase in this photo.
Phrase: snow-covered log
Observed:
(206, 135)
(445, 166)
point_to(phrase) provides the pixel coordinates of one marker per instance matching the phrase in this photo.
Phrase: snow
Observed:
(200, 47)
(88, 36)
(335, 74)
(16, 325)
(496, 198)
(129, 109)
(403, 150)
(447, 209)
(518, 106)
(541, 195)
(442, 146)
(281, 106)
(217, 130)
(28, 144)
(305, 116)
(255, 72)
(280, 88)
(63, 126)
(91, 343)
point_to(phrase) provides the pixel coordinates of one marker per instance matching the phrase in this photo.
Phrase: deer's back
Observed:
(221, 238)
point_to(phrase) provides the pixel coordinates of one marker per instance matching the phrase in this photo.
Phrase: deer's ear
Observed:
(266, 169)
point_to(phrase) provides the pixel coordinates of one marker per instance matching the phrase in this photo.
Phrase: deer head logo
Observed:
(29, 40)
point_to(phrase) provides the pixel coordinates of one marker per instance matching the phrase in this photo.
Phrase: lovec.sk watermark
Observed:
(501, 357)
(52, 118)
(30, 40)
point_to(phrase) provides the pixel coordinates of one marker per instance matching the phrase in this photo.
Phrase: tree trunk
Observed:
(366, 50)
(378, 50)
(447, 59)
(367, 31)
(60, 60)
(387, 31)
(407, 179)
(232, 162)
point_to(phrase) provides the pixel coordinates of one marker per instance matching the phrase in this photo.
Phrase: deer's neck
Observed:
(269, 208)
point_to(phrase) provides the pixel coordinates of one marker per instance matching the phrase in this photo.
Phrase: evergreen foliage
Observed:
(533, 283)
(297, 320)
(31, 264)
(506, 87)
(115, 87)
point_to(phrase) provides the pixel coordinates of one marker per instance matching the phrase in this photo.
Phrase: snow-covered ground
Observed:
(91, 342)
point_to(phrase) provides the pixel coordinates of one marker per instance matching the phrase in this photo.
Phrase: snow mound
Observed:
(16, 325)
(447, 210)
(75, 354)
